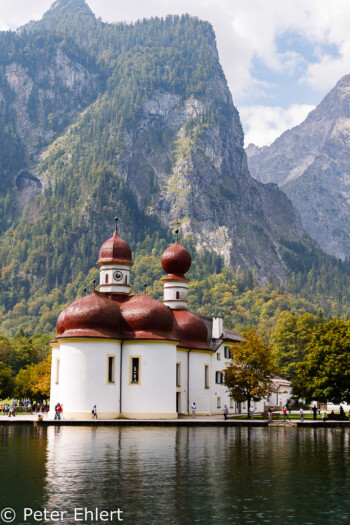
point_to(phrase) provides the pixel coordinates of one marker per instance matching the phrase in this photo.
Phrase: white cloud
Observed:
(14, 13)
(263, 124)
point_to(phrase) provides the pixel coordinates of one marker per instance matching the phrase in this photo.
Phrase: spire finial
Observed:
(177, 230)
(116, 224)
(94, 283)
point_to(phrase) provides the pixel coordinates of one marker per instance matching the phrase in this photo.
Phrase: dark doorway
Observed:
(178, 402)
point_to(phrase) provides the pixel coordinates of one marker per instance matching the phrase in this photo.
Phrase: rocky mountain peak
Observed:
(311, 164)
(69, 5)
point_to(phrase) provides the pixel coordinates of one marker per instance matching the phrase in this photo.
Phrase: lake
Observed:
(174, 475)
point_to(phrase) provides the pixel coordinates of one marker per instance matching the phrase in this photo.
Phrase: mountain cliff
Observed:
(136, 118)
(311, 163)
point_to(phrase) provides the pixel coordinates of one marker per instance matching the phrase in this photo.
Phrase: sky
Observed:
(280, 57)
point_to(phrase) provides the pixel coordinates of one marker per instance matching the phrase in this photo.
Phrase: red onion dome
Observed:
(115, 250)
(145, 318)
(90, 316)
(176, 260)
(190, 330)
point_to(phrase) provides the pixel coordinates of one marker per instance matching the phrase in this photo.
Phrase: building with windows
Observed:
(133, 356)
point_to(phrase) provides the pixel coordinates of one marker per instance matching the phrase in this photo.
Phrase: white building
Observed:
(135, 357)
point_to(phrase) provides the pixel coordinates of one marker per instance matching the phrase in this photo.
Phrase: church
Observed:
(135, 357)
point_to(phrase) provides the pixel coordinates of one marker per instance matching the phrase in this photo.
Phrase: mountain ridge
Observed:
(310, 164)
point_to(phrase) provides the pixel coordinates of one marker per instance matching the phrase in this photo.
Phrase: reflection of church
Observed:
(136, 357)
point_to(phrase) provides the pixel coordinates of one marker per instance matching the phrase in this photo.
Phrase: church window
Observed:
(227, 352)
(218, 356)
(135, 370)
(219, 378)
(106, 279)
(177, 295)
(111, 369)
(57, 371)
(218, 402)
(178, 374)
(206, 376)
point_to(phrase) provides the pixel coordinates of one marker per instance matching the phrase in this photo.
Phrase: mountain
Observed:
(97, 118)
(310, 163)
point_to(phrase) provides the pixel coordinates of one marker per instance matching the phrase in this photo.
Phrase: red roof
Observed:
(145, 318)
(91, 316)
(190, 330)
(176, 260)
(115, 250)
(135, 317)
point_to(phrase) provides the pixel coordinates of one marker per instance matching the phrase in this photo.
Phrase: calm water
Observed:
(177, 475)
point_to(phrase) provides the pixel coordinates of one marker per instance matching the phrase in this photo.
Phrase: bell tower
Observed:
(115, 260)
(176, 261)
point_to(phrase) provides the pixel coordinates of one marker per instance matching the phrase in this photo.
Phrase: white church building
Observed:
(135, 357)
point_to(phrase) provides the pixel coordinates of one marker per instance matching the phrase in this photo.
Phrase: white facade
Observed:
(175, 294)
(115, 278)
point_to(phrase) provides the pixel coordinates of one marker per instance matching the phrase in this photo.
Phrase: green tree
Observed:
(324, 374)
(24, 353)
(249, 377)
(6, 381)
(290, 338)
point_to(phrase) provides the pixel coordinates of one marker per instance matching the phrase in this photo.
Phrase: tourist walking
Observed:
(285, 414)
(301, 414)
(251, 411)
(225, 412)
(314, 411)
(194, 408)
(94, 412)
(56, 411)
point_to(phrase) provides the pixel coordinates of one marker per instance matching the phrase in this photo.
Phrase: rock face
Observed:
(176, 144)
(39, 98)
(311, 163)
(200, 177)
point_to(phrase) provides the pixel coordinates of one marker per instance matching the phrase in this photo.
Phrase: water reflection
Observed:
(180, 476)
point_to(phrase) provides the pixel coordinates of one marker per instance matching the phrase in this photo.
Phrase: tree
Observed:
(6, 381)
(290, 339)
(249, 376)
(324, 374)
(34, 381)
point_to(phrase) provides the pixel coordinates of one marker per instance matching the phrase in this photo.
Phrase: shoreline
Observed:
(181, 422)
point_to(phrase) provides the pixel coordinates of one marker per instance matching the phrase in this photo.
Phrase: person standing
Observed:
(56, 411)
(285, 414)
(94, 412)
(251, 411)
(314, 411)
(59, 411)
(225, 412)
(301, 414)
(193, 408)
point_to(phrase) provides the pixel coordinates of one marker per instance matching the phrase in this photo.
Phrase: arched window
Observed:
(177, 295)
(106, 279)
